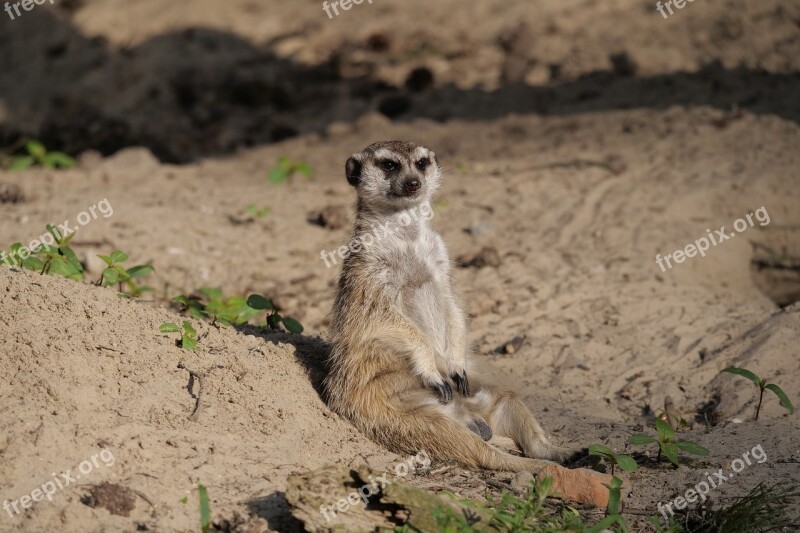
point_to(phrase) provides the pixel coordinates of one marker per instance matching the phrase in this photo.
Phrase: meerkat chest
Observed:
(422, 261)
(423, 280)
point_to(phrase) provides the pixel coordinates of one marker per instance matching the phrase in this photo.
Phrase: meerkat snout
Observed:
(394, 174)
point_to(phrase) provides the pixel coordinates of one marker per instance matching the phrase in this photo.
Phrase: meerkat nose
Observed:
(412, 185)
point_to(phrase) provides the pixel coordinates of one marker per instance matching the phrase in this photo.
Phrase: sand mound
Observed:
(84, 370)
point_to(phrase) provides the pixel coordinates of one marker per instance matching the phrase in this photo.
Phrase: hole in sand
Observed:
(775, 264)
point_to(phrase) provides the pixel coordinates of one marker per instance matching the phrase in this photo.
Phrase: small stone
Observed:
(11, 194)
(331, 217)
(487, 256)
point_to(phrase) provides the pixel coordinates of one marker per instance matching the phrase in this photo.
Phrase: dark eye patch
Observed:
(389, 165)
(423, 163)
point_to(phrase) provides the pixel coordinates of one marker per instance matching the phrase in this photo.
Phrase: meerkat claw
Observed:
(445, 392)
(462, 383)
(481, 428)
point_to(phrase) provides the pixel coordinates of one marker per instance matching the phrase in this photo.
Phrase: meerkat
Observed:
(399, 333)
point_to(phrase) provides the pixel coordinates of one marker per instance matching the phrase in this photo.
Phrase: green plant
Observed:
(510, 514)
(274, 319)
(220, 309)
(613, 516)
(235, 310)
(762, 509)
(38, 155)
(192, 305)
(667, 443)
(287, 168)
(58, 259)
(762, 385)
(205, 509)
(256, 212)
(626, 463)
(116, 273)
(188, 340)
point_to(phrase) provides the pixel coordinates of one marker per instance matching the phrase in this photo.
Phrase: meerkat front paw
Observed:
(462, 382)
(444, 391)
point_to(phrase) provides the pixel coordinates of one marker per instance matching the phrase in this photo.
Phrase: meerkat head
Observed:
(394, 175)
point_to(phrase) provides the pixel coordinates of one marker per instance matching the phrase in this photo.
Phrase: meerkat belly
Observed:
(423, 299)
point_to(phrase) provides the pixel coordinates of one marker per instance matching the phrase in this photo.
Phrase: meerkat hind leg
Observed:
(446, 437)
(511, 418)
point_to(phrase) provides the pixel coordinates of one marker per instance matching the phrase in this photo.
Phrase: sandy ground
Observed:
(580, 140)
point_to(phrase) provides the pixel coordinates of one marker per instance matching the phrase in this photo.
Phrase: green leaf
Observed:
(602, 451)
(118, 256)
(106, 259)
(36, 149)
(59, 159)
(212, 294)
(188, 343)
(22, 162)
(140, 271)
(169, 327)
(62, 267)
(744, 373)
(189, 329)
(641, 439)
(205, 509)
(604, 524)
(304, 169)
(614, 495)
(65, 241)
(278, 175)
(256, 301)
(626, 462)
(292, 325)
(67, 252)
(110, 277)
(54, 232)
(670, 450)
(785, 402)
(665, 431)
(32, 263)
(691, 447)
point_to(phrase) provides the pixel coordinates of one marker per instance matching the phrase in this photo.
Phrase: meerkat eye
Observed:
(389, 166)
(423, 163)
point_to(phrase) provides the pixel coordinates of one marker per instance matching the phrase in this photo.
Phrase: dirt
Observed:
(580, 140)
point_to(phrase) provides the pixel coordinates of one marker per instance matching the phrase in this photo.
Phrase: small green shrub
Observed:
(115, 273)
(626, 463)
(286, 169)
(667, 444)
(37, 154)
(762, 386)
(188, 340)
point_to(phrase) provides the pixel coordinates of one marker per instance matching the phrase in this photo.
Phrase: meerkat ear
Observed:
(353, 171)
